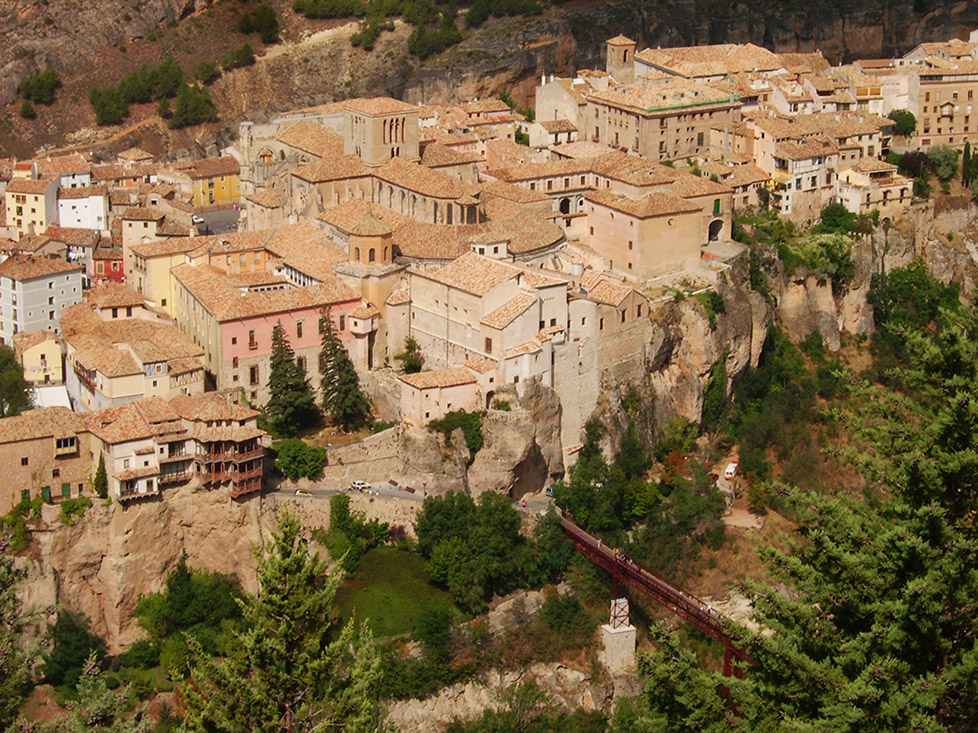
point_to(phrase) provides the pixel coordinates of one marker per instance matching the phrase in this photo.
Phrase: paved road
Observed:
(379, 489)
(219, 221)
(536, 503)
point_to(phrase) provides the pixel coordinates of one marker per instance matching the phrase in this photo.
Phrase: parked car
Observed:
(302, 492)
(197, 219)
(360, 486)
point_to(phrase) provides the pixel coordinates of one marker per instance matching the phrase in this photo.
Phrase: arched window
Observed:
(385, 254)
(372, 255)
(356, 252)
(450, 211)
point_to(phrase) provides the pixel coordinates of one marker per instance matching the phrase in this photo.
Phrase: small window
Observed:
(298, 329)
(253, 374)
(55, 473)
(24, 461)
(342, 321)
(488, 344)
(234, 363)
(234, 340)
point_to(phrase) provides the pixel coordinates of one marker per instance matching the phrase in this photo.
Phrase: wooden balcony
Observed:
(177, 477)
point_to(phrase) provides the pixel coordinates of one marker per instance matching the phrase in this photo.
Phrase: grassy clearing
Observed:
(389, 590)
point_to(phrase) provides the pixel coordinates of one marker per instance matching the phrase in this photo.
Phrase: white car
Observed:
(360, 486)
(302, 492)
(197, 219)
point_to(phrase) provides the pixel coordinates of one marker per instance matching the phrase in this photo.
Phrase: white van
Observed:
(731, 470)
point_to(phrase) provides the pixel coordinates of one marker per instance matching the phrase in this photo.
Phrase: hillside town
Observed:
(510, 247)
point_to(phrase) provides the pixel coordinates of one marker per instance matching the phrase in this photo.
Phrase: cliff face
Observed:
(114, 554)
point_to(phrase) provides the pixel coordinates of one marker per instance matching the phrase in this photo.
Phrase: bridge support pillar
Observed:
(619, 647)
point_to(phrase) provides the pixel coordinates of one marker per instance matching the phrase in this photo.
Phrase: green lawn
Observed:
(389, 589)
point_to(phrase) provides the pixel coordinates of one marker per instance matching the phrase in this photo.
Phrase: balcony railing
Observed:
(86, 378)
(242, 476)
(171, 457)
(246, 488)
(175, 477)
(232, 455)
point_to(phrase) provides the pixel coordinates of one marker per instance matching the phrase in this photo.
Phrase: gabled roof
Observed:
(28, 267)
(441, 378)
(312, 138)
(474, 273)
(44, 422)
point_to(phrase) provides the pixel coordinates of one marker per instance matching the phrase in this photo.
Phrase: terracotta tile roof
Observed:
(735, 176)
(25, 340)
(73, 236)
(400, 296)
(474, 274)
(27, 185)
(111, 346)
(269, 198)
(226, 302)
(113, 172)
(609, 293)
(512, 192)
(171, 246)
(453, 377)
(423, 241)
(558, 126)
(332, 169)
(365, 311)
(370, 226)
(255, 279)
(305, 247)
(530, 171)
(715, 60)
(538, 279)
(210, 406)
(437, 155)
(873, 165)
(345, 215)
(482, 366)
(44, 422)
(484, 106)
(580, 149)
(83, 192)
(212, 167)
(425, 181)
(110, 294)
(62, 164)
(78, 317)
(132, 421)
(809, 147)
(139, 213)
(312, 138)
(620, 40)
(28, 267)
(378, 106)
(509, 311)
(667, 96)
(530, 347)
(135, 155)
(107, 252)
(651, 205)
(172, 227)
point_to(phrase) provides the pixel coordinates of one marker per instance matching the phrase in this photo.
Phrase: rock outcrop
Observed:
(114, 554)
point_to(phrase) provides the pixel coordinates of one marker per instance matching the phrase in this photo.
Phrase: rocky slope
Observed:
(98, 43)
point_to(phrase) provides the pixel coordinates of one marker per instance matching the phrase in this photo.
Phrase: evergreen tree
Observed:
(27, 110)
(14, 394)
(967, 166)
(193, 106)
(342, 400)
(879, 630)
(291, 405)
(285, 674)
(411, 358)
(101, 481)
(16, 658)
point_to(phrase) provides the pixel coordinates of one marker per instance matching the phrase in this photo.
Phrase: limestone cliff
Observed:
(115, 553)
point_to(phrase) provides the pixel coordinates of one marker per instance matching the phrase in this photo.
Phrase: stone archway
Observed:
(716, 227)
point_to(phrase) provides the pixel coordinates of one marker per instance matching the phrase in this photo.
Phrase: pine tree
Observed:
(14, 394)
(16, 658)
(101, 481)
(411, 358)
(342, 399)
(291, 405)
(967, 166)
(284, 673)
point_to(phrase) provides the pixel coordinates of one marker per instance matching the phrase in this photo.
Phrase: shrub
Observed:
(502, 405)
(944, 160)
(244, 56)
(193, 106)
(905, 121)
(144, 654)
(41, 87)
(72, 643)
(471, 424)
(206, 72)
(71, 508)
(296, 458)
(713, 303)
(27, 110)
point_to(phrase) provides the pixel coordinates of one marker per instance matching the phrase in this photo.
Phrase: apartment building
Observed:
(666, 118)
(875, 184)
(232, 316)
(45, 454)
(84, 207)
(32, 205)
(34, 291)
(39, 355)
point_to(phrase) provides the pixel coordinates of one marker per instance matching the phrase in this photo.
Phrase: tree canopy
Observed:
(14, 394)
(291, 405)
(905, 121)
(342, 398)
(289, 671)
